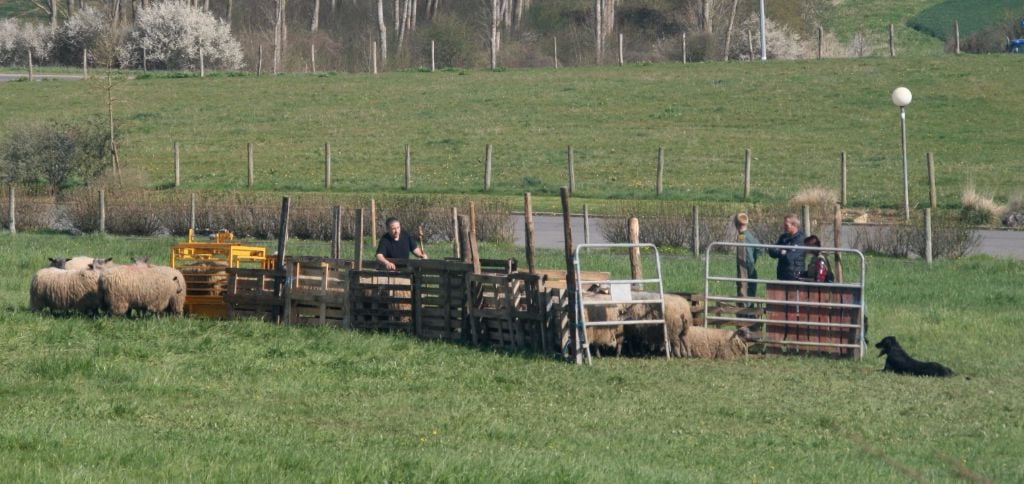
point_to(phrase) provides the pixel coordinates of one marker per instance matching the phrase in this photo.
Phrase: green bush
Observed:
(54, 153)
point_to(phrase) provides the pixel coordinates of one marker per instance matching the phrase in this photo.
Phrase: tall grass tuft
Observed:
(979, 209)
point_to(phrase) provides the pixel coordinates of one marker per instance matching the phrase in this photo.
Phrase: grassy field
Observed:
(167, 399)
(872, 19)
(796, 116)
(937, 20)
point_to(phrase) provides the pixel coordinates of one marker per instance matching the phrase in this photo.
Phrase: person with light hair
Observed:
(746, 257)
(791, 261)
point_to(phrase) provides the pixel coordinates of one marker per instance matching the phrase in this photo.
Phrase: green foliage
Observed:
(455, 42)
(59, 154)
(974, 16)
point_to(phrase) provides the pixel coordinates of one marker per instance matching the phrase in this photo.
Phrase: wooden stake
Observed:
(696, 231)
(842, 178)
(373, 221)
(747, 157)
(177, 165)
(357, 247)
(282, 231)
(103, 211)
(837, 228)
(327, 165)
(31, 74)
(432, 64)
(636, 270)
(464, 245)
(892, 41)
(750, 44)
(586, 223)
(933, 196)
(556, 52)
(531, 254)
(312, 57)
(621, 57)
(488, 153)
(928, 235)
(202, 64)
(805, 219)
(374, 57)
(192, 214)
(11, 212)
(85, 63)
(570, 278)
(143, 59)
(659, 183)
(684, 47)
(408, 168)
(572, 171)
(956, 35)
(259, 63)
(821, 41)
(456, 247)
(473, 244)
(252, 167)
(336, 232)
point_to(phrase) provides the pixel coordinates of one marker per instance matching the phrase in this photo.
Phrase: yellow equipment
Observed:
(205, 264)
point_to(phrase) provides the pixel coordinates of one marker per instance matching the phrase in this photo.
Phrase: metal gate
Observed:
(621, 292)
(824, 317)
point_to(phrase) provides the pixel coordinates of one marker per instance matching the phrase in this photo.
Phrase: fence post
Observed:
(572, 171)
(531, 254)
(747, 156)
(252, 168)
(373, 221)
(821, 41)
(892, 41)
(192, 214)
(928, 235)
(586, 223)
(202, 64)
(464, 245)
(456, 252)
(374, 56)
(636, 270)
(570, 277)
(177, 165)
(556, 52)
(312, 57)
(933, 197)
(488, 154)
(696, 231)
(259, 63)
(659, 185)
(837, 238)
(842, 178)
(11, 213)
(432, 64)
(103, 211)
(357, 247)
(282, 289)
(143, 59)
(408, 168)
(327, 165)
(956, 35)
(31, 74)
(336, 232)
(621, 57)
(805, 219)
(684, 47)
(85, 63)
(474, 247)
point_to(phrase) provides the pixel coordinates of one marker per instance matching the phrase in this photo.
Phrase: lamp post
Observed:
(901, 97)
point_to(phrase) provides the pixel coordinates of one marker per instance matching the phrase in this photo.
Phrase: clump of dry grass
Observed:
(979, 208)
(815, 197)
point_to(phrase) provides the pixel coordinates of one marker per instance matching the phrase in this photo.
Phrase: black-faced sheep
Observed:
(651, 338)
(63, 290)
(714, 343)
(142, 288)
(79, 263)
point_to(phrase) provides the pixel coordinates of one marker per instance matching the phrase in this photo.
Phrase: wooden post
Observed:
(282, 232)
(31, 74)
(357, 247)
(747, 158)
(374, 57)
(474, 248)
(821, 41)
(684, 47)
(586, 223)
(373, 221)
(11, 213)
(621, 57)
(312, 57)
(85, 63)
(572, 171)
(842, 178)
(336, 232)
(570, 278)
(928, 235)
(408, 168)
(488, 153)
(192, 214)
(837, 237)
(556, 52)
(433, 66)
(933, 196)
(177, 165)
(805, 219)
(892, 41)
(956, 35)
(659, 184)
(252, 168)
(750, 44)
(143, 59)
(636, 270)
(456, 247)
(531, 254)
(464, 244)
(327, 165)
(202, 63)
(696, 231)
(259, 63)
(103, 211)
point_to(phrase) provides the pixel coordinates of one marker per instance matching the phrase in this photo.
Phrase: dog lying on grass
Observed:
(898, 361)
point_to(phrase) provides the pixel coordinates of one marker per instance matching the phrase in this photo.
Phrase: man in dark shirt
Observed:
(791, 261)
(397, 244)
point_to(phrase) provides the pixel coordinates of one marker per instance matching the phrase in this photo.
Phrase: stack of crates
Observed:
(205, 264)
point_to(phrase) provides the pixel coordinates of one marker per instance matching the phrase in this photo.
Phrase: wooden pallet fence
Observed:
(440, 299)
(381, 300)
(507, 310)
(318, 291)
(254, 293)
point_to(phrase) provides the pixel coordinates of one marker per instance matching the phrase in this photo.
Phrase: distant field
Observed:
(104, 399)
(872, 18)
(973, 15)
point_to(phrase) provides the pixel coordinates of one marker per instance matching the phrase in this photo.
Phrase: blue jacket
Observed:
(791, 263)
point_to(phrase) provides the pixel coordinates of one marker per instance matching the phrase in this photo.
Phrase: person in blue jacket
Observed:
(791, 261)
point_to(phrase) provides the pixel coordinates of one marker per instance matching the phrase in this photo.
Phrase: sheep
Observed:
(67, 290)
(142, 287)
(597, 336)
(714, 343)
(678, 315)
(78, 263)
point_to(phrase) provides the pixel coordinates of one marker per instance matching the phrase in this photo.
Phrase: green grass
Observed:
(796, 116)
(188, 399)
(973, 15)
(872, 18)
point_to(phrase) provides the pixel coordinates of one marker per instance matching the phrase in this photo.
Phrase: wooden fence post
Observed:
(621, 57)
(85, 63)
(408, 168)
(696, 231)
(103, 211)
(488, 154)
(31, 74)
(464, 244)
(474, 247)
(821, 41)
(842, 178)
(837, 238)
(636, 270)
(570, 278)
(586, 223)
(11, 212)
(684, 47)
(433, 66)
(282, 288)
(192, 214)
(531, 254)
(892, 41)
(312, 57)
(556, 52)
(357, 247)
(747, 158)
(805, 219)
(928, 235)
(327, 165)
(144, 59)
(373, 221)
(659, 184)
(456, 247)
(572, 171)
(336, 232)
(252, 167)
(750, 44)
(956, 35)
(374, 56)
(259, 63)
(177, 165)
(933, 196)
(202, 63)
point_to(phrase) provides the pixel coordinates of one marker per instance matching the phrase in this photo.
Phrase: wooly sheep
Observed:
(78, 263)
(142, 287)
(651, 337)
(714, 343)
(607, 336)
(64, 290)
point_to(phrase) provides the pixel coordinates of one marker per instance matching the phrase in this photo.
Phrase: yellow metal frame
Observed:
(221, 249)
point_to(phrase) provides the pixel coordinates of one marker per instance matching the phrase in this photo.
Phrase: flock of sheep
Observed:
(90, 285)
(685, 339)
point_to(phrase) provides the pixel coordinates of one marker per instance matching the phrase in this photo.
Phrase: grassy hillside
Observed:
(973, 15)
(872, 18)
(796, 116)
(164, 399)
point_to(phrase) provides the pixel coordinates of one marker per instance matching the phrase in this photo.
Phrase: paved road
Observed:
(60, 77)
(548, 231)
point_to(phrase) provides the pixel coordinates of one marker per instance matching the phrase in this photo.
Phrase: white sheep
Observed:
(678, 315)
(77, 263)
(64, 290)
(598, 336)
(142, 288)
(716, 343)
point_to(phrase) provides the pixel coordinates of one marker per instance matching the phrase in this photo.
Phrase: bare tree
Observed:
(705, 15)
(598, 35)
(494, 34)
(315, 25)
(280, 34)
(728, 32)
(382, 29)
